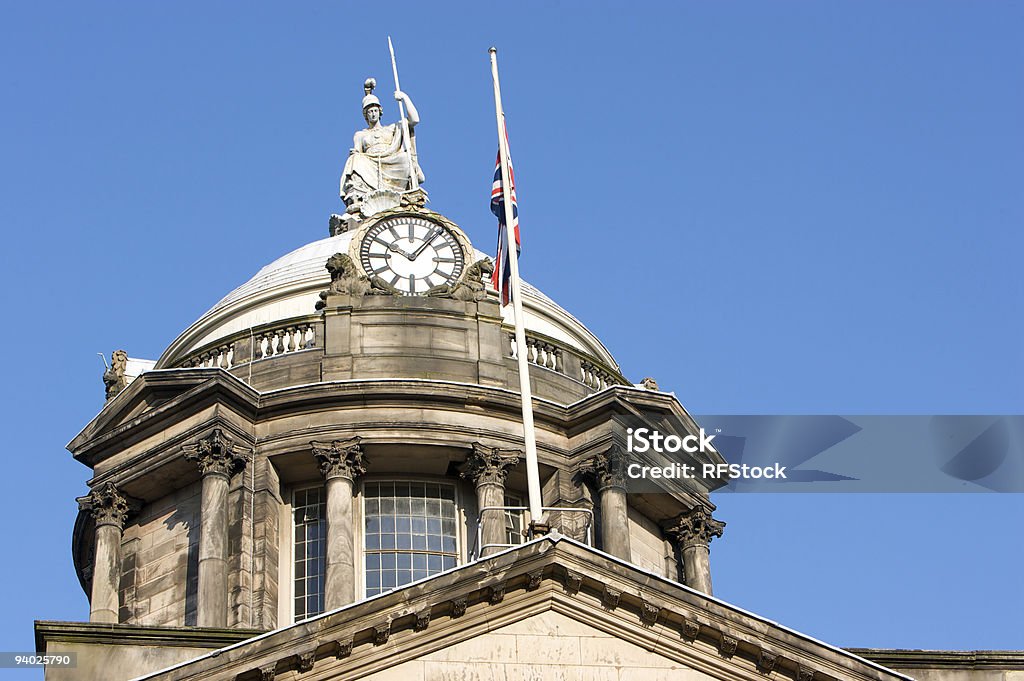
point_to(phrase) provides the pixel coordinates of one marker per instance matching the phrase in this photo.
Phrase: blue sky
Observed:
(772, 208)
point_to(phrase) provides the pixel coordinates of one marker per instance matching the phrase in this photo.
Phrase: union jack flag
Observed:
(501, 279)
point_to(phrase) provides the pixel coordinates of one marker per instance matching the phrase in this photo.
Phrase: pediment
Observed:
(150, 401)
(550, 609)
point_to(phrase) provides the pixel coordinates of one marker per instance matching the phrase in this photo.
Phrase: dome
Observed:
(289, 287)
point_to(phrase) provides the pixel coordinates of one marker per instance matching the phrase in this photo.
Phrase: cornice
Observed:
(1002, 660)
(551, 573)
(198, 386)
(138, 635)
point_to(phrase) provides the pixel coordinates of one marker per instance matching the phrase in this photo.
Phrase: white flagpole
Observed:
(529, 434)
(406, 142)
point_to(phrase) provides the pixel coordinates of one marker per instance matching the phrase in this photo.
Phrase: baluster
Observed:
(230, 356)
(263, 345)
(512, 340)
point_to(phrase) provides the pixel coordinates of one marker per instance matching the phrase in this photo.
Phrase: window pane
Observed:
(310, 534)
(410, 532)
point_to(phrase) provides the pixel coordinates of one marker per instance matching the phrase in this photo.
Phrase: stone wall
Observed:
(548, 646)
(160, 562)
(648, 548)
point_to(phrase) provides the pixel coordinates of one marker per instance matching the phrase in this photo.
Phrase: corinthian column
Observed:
(109, 510)
(608, 470)
(488, 468)
(341, 462)
(217, 458)
(692, 532)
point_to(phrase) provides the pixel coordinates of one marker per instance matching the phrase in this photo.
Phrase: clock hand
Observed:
(394, 248)
(426, 242)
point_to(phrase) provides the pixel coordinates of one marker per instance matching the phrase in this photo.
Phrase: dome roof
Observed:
(289, 288)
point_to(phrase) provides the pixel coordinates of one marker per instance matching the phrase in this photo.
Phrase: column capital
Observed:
(696, 527)
(216, 454)
(340, 458)
(489, 465)
(107, 505)
(608, 469)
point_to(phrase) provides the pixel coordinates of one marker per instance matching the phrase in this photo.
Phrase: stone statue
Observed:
(381, 171)
(347, 280)
(114, 377)
(649, 383)
(470, 286)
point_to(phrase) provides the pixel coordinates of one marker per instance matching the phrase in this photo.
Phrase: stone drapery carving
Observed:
(347, 279)
(382, 167)
(107, 505)
(489, 464)
(471, 286)
(695, 528)
(340, 458)
(607, 469)
(216, 454)
(114, 379)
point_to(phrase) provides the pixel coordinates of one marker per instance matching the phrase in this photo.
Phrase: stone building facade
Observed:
(322, 478)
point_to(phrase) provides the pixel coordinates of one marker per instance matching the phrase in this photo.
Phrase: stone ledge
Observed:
(943, 659)
(137, 635)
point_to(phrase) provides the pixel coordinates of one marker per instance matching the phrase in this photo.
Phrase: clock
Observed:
(412, 253)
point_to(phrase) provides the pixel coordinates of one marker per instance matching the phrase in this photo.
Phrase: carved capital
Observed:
(340, 458)
(381, 633)
(695, 528)
(107, 505)
(489, 464)
(268, 672)
(535, 579)
(607, 469)
(458, 607)
(216, 454)
(691, 629)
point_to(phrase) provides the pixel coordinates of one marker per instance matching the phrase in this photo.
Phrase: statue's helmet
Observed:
(370, 99)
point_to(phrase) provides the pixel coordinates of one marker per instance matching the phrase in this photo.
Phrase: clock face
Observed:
(411, 253)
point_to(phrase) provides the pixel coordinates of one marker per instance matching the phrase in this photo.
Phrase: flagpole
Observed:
(529, 434)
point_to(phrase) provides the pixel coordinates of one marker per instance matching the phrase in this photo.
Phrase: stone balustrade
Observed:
(298, 334)
(283, 340)
(596, 377)
(261, 342)
(220, 357)
(550, 354)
